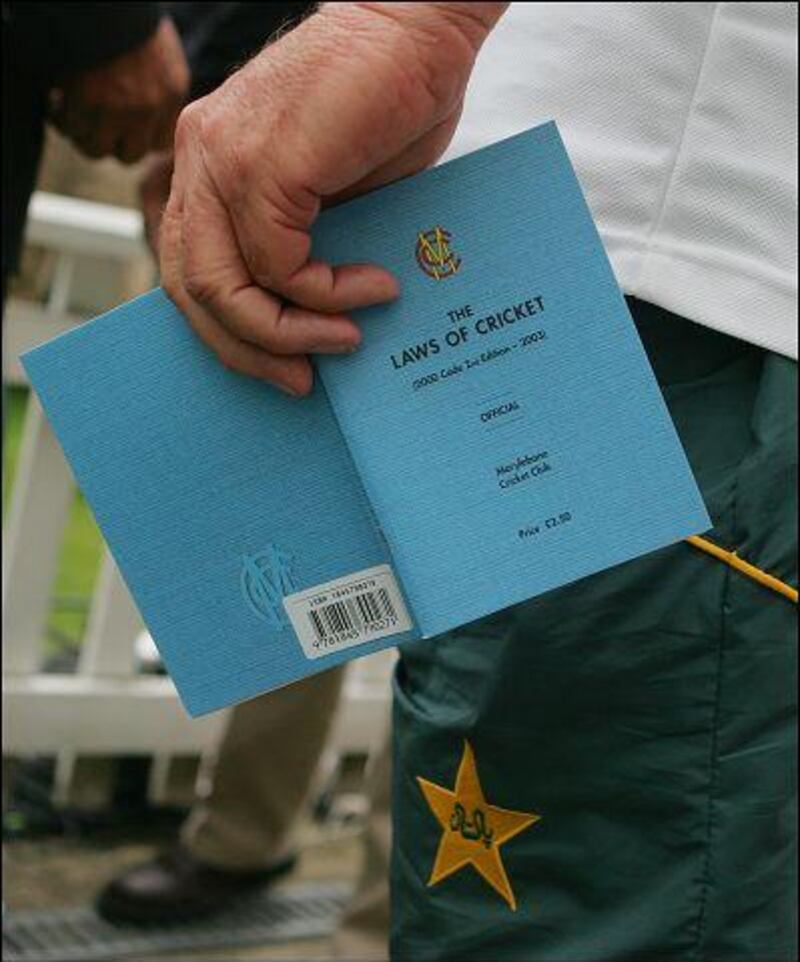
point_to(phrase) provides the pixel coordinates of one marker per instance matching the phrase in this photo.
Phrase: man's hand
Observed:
(358, 95)
(128, 106)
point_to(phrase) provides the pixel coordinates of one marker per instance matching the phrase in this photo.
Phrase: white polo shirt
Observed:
(681, 120)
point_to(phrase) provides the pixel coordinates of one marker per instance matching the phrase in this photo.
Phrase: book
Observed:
(498, 433)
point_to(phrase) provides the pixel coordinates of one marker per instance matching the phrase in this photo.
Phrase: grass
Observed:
(81, 549)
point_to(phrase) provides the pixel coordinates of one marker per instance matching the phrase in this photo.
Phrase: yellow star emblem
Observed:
(472, 830)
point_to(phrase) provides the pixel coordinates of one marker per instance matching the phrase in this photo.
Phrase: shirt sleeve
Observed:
(49, 41)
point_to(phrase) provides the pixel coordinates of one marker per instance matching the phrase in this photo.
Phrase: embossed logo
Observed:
(434, 254)
(266, 577)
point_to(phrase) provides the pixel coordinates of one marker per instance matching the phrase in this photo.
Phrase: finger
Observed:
(291, 374)
(255, 316)
(72, 123)
(216, 276)
(137, 136)
(93, 130)
(318, 286)
(98, 143)
(275, 245)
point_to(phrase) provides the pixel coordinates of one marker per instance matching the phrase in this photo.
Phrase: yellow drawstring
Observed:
(732, 559)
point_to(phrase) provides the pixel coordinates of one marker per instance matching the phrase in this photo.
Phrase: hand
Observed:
(128, 106)
(356, 96)
(153, 195)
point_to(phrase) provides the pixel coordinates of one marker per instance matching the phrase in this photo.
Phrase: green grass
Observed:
(14, 412)
(81, 550)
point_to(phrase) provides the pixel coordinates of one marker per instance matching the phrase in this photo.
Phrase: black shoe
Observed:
(176, 887)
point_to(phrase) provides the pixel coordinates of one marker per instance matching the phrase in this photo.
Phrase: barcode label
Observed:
(350, 611)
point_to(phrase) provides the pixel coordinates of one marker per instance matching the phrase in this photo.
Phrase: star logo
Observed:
(472, 830)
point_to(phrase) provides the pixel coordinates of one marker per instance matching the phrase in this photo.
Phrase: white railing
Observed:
(107, 706)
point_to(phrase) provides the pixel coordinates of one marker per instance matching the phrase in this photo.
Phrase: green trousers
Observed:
(607, 772)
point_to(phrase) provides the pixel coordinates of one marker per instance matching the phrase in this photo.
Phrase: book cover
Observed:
(502, 415)
(499, 433)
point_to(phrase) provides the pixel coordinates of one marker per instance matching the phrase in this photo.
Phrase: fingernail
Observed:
(295, 391)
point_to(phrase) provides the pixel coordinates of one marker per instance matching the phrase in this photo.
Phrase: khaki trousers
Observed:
(258, 784)
(262, 774)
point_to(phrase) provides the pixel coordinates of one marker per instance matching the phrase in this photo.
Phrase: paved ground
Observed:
(62, 873)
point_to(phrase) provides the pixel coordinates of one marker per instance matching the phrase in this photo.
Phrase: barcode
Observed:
(361, 614)
(358, 609)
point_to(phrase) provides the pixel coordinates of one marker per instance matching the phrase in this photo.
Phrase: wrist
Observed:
(473, 21)
(436, 42)
(441, 32)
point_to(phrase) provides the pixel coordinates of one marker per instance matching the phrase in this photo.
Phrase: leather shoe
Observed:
(176, 887)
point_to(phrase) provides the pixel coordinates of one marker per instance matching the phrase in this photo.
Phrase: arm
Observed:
(358, 95)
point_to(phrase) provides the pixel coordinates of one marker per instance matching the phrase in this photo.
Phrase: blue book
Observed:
(499, 433)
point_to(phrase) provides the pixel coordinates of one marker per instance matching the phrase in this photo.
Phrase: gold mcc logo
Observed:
(435, 255)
